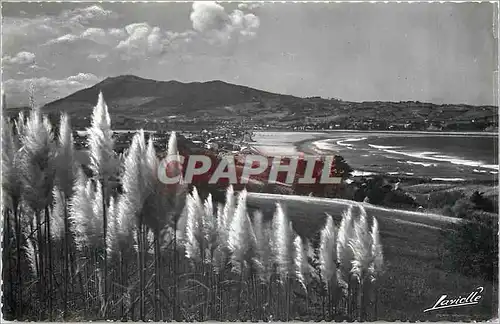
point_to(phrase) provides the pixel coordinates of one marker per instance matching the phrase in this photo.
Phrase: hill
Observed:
(137, 102)
(133, 95)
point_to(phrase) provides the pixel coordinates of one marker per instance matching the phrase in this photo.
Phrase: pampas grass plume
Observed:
(280, 241)
(361, 247)
(299, 258)
(327, 251)
(376, 266)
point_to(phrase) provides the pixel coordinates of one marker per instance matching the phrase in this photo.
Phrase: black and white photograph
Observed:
(249, 161)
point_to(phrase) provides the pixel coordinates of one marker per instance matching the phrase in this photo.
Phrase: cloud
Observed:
(185, 36)
(23, 63)
(245, 24)
(97, 35)
(250, 6)
(83, 78)
(68, 38)
(96, 56)
(143, 40)
(46, 89)
(118, 32)
(87, 15)
(207, 16)
(21, 58)
(65, 27)
(137, 36)
(211, 20)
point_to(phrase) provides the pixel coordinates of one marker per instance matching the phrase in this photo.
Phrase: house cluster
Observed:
(223, 138)
(483, 124)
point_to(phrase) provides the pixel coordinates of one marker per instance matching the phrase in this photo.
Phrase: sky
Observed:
(439, 53)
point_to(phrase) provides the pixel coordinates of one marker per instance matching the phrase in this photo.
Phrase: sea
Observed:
(436, 156)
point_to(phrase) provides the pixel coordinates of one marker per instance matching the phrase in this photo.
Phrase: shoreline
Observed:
(307, 147)
(444, 133)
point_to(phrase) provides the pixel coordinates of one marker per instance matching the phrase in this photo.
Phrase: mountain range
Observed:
(133, 98)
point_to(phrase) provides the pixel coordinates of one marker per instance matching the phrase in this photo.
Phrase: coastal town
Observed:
(217, 140)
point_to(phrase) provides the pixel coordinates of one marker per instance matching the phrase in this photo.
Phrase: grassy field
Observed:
(415, 277)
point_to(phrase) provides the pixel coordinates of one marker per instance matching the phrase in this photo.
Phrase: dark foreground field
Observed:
(415, 275)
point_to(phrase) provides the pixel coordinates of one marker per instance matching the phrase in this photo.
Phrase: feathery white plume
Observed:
(97, 202)
(299, 256)
(10, 169)
(100, 140)
(361, 246)
(20, 125)
(151, 159)
(344, 252)
(113, 236)
(57, 216)
(224, 217)
(126, 223)
(242, 238)
(174, 169)
(263, 261)
(133, 180)
(229, 209)
(149, 242)
(29, 250)
(194, 234)
(209, 229)
(172, 145)
(181, 225)
(65, 159)
(37, 161)
(156, 205)
(209, 211)
(150, 163)
(218, 213)
(376, 266)
(84, 205)
(327, 251)
(177, 192)
(280, 241)
(309, 269)
(221, 252)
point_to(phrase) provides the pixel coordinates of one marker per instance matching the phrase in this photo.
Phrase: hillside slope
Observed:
(415, 277)
(134, 95)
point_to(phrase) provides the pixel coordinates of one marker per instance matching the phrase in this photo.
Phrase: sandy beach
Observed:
(283, 143)
(436, 157)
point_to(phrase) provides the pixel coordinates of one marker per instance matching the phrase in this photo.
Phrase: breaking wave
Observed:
(357, 139)
(324, 145)
(357, 173)
(421, 163)
(383, 147)
(434, 156)
(448, 179)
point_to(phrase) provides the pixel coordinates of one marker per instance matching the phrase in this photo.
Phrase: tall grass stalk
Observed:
(376, 267)
(361, 247)
(178, 194)
(328, 260)
(281, 246)
(134, 195)
(241, 242)
(103, 164)
(11, 190)
(37, 174)
(65, 177)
